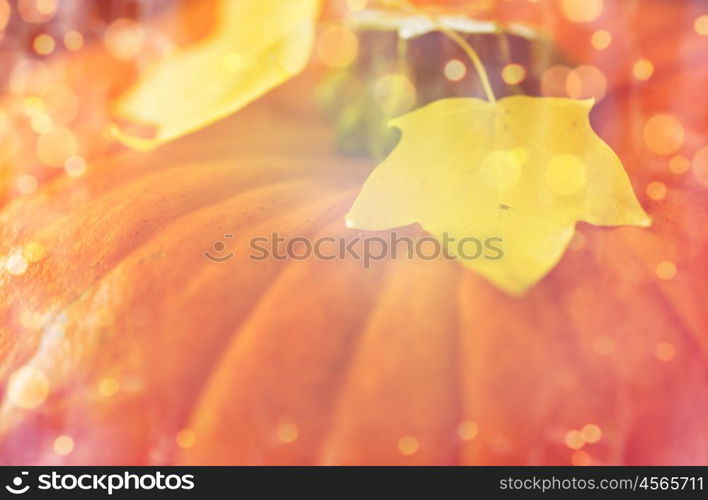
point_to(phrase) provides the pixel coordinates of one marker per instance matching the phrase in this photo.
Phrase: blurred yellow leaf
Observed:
(257, 45)
(523, 169)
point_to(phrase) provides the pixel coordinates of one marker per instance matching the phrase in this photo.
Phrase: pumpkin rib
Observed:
(328, 434)
(249, 327)
(133, 184)
(107, 268)
(533, 331)
(373, 382)
(236, 336)
(86, 304)
(68, 218)
(55, 198)
(251, 337)
(230, 199)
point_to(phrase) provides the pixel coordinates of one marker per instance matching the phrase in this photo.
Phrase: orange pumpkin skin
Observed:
(323, 362)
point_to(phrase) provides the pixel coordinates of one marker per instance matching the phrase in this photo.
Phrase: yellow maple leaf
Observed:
(257, 45)
(522, 169)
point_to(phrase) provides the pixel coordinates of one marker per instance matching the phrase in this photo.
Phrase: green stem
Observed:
(473, 56)
(454, 36)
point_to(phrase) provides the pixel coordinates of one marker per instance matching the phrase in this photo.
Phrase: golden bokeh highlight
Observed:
(574, 440)
(701, 25)
(124, 39)
(63, 445)
(337, 46)
(566, 175)
(43, 44)
(41, 123)
(47, 7)
(574, 85)
(663, 134)
(513, 74)
(586, 82)
(186, 438)
(34, 251)
(643, 69)
(33, 105)
(664, 351)
(582, 11)
(679, 164)
(468, 430)
(666, 270)
(455, 70)
(73, 40)
(108, 387)
(580, 458)
(591, 433)
(601, 39)
(36, 11)
(288, 432)
(16, 264)
(408, 446)
(28, 387)
(75, 166)
(656, 190)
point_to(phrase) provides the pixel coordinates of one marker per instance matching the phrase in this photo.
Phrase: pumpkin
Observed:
(120, 343)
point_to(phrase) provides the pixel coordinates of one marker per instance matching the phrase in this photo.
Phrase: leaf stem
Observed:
(473, 56)
(466, 47)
